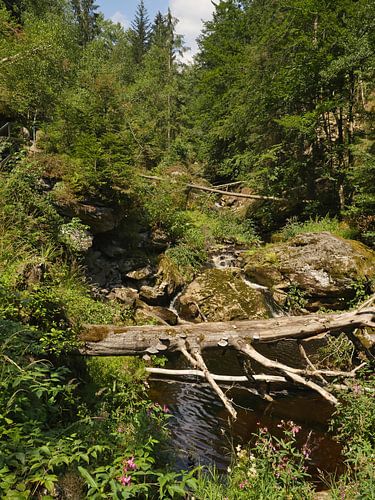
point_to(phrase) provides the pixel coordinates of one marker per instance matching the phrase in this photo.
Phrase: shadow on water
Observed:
(202, 433)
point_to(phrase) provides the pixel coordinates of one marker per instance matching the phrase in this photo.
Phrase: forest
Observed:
(140, 193)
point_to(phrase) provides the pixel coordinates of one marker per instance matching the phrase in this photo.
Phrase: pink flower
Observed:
(125, 480)
(243, 485)
(295, 429)
(166, 409)
(131, 464)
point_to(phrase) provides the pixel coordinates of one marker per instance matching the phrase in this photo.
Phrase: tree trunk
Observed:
(108, 340)
(192, 339)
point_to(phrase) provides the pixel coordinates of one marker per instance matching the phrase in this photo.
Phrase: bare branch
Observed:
(289, 372)
(218, 191)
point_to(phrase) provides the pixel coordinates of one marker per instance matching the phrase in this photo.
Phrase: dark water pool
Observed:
(203, 434)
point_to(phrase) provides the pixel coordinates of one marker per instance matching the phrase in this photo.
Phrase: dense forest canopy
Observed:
(105, 132)
(280, 94)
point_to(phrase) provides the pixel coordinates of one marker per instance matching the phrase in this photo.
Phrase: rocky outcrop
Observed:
(99, 218)
(326, 270)
(220, 295)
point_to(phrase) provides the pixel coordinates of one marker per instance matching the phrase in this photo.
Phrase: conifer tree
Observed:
(140, 33)
(158, 30)
(86, 18)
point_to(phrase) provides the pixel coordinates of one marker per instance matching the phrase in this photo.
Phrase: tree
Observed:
(155, 99)
(35, 67)
(282, 89)
(140, 33)
(86, 18)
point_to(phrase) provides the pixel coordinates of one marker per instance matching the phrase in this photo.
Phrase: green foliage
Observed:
(295, 300)
(337, 354)
(76, 235)
(354, 418)
(37, 401)
(277, 86)
(361, 212)
(353, 423)
(317, 225)
(107, 430)
(274, 469)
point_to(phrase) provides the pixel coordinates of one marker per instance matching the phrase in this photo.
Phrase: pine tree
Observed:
(158, 31)
(140, 33)
(86, 18)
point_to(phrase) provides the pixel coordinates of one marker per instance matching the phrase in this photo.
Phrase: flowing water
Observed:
(202, 433)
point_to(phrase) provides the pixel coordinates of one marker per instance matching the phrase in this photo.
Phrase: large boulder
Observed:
(325, 270)
(220, 295)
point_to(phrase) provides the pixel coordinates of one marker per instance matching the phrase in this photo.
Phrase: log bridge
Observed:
(191, 340)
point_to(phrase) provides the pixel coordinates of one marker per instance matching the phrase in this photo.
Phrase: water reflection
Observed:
(203, 434)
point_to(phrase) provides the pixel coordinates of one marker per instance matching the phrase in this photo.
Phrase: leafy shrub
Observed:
(107, 432)
(274, 468)
(353, 424)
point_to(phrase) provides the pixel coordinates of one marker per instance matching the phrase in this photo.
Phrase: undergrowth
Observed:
(317, 225)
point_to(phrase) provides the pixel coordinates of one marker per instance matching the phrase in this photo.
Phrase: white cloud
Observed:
(191, 13)
(119, 17)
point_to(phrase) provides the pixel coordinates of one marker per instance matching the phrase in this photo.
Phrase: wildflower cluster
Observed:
(156, 408)
(274, 463)
(128, 466)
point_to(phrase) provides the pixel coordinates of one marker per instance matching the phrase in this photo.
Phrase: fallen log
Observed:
(198, 187)
(192, 339)
(109, 340)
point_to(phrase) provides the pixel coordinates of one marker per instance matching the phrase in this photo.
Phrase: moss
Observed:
(228, 293)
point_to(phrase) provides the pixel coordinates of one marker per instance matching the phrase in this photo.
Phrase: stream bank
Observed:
(239, 283)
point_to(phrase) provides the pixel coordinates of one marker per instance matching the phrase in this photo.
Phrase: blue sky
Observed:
(189, 12)
(127, 8)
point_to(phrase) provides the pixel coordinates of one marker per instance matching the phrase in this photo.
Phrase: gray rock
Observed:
(126, 296)
(76, 236)
(326, 268)
(220, 295)
(140, 274)
(154, 295)
(100, 219)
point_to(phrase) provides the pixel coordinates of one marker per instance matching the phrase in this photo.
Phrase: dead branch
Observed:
(23, 54)
(196, 353)
(289, 372)
(218, 191)
(217, 378)
(310, 364)
(191, 339)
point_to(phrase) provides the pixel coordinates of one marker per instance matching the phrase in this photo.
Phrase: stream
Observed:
(202, 433)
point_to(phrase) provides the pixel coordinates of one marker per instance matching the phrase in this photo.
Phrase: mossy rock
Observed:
(329, 270)
(221, 295)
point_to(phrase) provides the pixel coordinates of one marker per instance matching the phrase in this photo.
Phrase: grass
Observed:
(317, 225)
